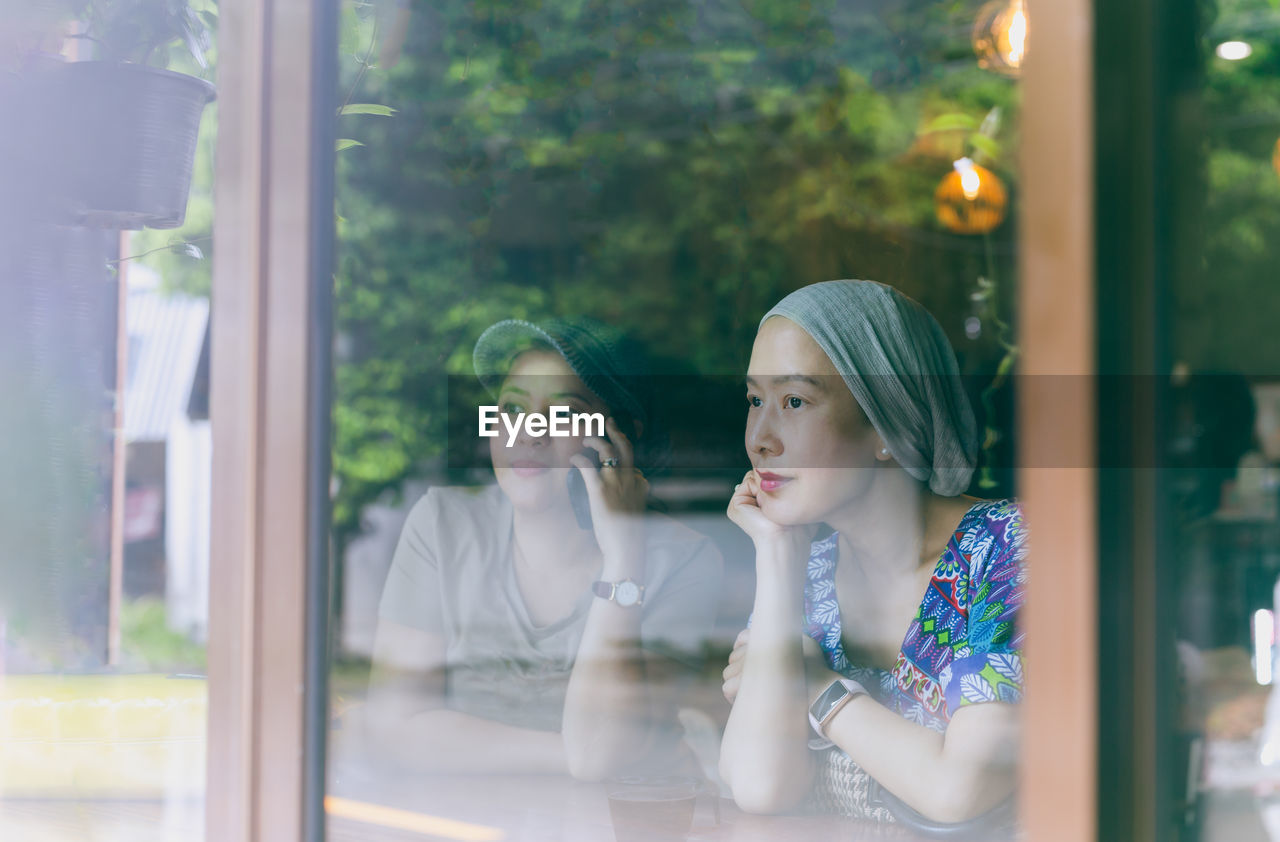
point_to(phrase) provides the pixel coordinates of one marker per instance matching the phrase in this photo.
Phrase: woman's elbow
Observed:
(595, 760)
(945, 809)
(765, 797)
(961, 803)
(762, 791)
(588, 769)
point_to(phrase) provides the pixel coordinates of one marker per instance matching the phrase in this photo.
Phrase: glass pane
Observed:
(670, 171)
(1223, 435)
(105, 221)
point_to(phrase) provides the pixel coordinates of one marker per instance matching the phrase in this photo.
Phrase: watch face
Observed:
(833, 694)
(627, 593)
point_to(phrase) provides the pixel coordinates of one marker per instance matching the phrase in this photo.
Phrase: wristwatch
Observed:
(627, 593)
(826, 706)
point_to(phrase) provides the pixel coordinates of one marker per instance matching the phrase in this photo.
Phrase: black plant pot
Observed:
(125, 140)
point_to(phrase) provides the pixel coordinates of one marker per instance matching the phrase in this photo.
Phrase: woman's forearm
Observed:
(765, 755)
(946, 778)
(607, 719)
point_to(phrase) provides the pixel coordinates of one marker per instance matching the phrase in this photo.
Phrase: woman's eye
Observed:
(794, 403)
(754, 401)
(510, 408)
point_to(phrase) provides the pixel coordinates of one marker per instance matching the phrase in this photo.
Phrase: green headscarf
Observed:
(898, 364)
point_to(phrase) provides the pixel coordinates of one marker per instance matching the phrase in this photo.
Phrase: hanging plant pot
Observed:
(126, 141)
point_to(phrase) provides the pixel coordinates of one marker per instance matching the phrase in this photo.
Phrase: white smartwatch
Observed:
(826, 706)
(627, 593)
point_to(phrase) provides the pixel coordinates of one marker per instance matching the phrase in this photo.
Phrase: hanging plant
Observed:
(141, 31)
(972, 200)
(122, 126)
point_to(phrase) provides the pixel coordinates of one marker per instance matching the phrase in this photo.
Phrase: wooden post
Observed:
(1057, 475)
(115, 576)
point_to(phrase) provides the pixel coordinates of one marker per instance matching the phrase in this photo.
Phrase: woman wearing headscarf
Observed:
(519, 636)
(881, 668)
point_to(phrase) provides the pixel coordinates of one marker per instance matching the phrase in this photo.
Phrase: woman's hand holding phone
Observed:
(617, 492)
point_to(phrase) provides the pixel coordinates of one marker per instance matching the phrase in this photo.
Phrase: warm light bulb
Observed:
(1016, 36)
(1234, 50)
(970, 182)
(1000, 36)
(970, 199)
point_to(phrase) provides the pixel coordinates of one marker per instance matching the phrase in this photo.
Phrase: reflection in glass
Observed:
(104, 425)
(669, 169)
(1221, 480)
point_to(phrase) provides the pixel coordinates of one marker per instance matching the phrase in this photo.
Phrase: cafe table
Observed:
(365, 806)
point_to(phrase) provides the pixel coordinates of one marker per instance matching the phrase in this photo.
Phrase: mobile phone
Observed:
(578, 490)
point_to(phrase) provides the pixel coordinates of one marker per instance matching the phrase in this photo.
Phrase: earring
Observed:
(884, 451)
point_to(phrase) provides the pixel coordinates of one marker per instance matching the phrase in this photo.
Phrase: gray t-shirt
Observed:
(452, 576)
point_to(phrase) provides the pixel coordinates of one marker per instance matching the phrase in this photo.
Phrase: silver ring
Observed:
(611, 462)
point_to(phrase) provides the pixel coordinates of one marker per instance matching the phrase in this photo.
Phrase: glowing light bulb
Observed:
(1234, 50)
(1000, 36)
(970, 199)
(970, 181)
(1016, 35)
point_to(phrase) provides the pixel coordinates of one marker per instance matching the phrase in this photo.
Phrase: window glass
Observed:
(1222, 377)
(637, 185)
(105, 224)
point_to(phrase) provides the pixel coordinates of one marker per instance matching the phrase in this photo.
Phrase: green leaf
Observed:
(985, 145)
(367, 108)
(950, 123)
(347, 143)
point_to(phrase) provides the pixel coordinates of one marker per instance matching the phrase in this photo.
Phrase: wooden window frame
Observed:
(1057, 479)
(269, 410)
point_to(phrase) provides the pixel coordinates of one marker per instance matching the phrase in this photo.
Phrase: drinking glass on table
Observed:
(657, 809)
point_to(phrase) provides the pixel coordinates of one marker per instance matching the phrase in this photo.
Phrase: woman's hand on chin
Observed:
(618, 492)
(744, 510)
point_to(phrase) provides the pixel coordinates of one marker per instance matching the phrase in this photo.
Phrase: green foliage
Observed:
(673, 168)
(367, 108)
(142, 31)
(147, 644)
(180, 268)
(1226, 301)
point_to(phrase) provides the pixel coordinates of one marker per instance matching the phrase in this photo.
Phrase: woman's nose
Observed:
(526, 439)
(762, 439)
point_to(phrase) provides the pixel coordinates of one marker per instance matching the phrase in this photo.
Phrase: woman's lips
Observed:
(771, 482)
(527, 468)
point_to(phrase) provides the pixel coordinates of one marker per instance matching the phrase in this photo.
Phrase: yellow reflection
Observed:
(971, 199)
(361, 811)
(1000, 36)
(102, 736)
(1014, 39)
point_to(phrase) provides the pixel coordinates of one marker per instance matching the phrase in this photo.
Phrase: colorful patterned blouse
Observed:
(964, 645)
